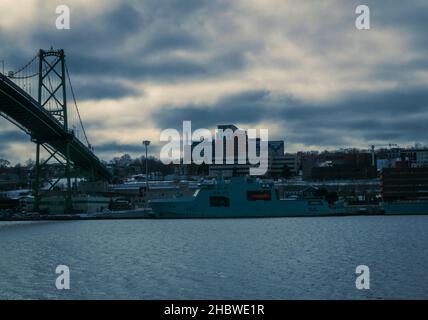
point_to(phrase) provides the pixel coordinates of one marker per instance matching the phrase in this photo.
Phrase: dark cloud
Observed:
(135, 41)
(133, 69)
(132, 40)
(411, 16)
(248, 107)
(113, 147)
(170, 40)
(10, 137)
(103, 89)
(395, 115)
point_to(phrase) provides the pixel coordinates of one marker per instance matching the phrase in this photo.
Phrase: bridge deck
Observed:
(25, 112)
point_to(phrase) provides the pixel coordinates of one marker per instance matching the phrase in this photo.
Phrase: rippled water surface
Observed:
(283, 258)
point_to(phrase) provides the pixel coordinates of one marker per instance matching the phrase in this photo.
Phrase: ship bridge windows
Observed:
(219, 201)
(259, 195)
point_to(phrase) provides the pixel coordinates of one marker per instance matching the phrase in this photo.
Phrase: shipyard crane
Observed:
(372, 147)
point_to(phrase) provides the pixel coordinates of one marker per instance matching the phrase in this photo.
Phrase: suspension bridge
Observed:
(34, 98)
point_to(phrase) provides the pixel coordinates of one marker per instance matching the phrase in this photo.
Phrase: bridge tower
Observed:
(52, 96)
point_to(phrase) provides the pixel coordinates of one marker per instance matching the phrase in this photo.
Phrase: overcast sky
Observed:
(299, 68)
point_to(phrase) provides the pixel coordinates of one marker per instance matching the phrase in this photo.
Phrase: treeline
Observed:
(18, 171)
(125, 166)
(121, 167)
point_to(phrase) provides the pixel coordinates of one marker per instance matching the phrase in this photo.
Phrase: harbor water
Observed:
(280, 258)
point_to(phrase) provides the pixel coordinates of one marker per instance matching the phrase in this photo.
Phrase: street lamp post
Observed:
(146, 144)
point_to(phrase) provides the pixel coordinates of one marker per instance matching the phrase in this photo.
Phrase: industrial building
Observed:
(404, 183)
(339, 165)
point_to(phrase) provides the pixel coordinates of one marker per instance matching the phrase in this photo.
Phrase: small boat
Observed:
(242, 197)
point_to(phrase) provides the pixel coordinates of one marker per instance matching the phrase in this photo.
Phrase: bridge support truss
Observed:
(52, 96)
(43, 115)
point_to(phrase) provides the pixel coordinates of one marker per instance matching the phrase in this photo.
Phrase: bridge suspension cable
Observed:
(13, 74)
(75, 104)
(27, 78)
(34, 98)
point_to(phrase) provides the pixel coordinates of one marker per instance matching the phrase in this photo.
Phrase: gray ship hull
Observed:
(240, 199)
(406, 208)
